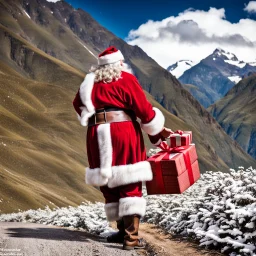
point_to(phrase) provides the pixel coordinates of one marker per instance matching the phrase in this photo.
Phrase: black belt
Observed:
(107, 109)
(131, 114)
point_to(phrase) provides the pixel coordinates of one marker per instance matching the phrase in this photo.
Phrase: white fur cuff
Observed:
(111, 210)
(130, 173)
(156, 125)
(132, 205)
(94, 178)
(121, 175)
(106, 172)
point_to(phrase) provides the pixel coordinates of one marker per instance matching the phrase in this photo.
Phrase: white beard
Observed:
(127, 68)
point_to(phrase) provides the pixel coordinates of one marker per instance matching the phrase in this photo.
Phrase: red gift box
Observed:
(174, 170)
(181, 138)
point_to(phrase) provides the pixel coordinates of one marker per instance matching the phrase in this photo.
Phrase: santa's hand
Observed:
(166, 132)
(160, 137)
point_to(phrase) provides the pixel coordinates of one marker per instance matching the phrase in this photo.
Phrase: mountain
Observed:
(214, 76)
(236, 113)
(177, 69)
(46, 50)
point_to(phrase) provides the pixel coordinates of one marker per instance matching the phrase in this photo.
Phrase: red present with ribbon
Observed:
(180, 138)
(174, 170)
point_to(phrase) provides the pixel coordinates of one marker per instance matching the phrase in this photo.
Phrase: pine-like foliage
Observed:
(219, 210)
(88, 216)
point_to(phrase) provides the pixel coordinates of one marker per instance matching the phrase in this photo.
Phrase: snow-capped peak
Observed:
(180, 67)
(53, 1)
(218, 52)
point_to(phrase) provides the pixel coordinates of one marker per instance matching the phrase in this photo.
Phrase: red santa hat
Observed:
(110, 55)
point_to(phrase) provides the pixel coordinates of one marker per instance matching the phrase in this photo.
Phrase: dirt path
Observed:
(27, 239)
(30, 239)
(159, 243)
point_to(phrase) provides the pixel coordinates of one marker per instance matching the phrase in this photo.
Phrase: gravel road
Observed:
(27, 239)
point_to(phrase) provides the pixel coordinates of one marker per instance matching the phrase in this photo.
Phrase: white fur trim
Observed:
(156, 125)
(130, 173)
(122, 175)
(112, 210)
(132, 205)
(110, 58)
(78, 117)
(85, 93)
(94, 178)
(105, 149)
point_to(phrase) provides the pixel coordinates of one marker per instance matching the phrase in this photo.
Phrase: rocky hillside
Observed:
(236, 113)
(46, 50)
(215, 75)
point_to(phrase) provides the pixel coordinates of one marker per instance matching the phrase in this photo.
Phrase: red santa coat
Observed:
(116, 151)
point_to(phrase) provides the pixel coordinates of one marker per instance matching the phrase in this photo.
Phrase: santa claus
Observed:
(111, 102)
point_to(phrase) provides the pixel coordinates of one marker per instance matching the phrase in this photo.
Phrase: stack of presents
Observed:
(175, 168)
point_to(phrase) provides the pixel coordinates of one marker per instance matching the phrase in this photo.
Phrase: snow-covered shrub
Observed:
(88, 216)
(219, 210)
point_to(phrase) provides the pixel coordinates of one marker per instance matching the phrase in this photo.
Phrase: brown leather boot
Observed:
(118, 237)
(131, 239)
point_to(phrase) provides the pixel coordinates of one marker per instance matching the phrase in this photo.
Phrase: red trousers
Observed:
(123, 200)
(112, 195)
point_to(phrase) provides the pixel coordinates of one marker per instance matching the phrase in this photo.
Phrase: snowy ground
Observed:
(219, 211)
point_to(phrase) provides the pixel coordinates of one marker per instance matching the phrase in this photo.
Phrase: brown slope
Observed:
(236, 113)
(154, 79)
(42, 158)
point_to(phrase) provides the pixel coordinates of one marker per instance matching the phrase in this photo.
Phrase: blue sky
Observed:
(122, 16)
(169, 31)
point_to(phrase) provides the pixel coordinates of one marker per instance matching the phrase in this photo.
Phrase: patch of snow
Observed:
(219, 211)
(51, 12)
(27, 14)
(252, 63)
(88, 50)
(182, 66)
(88, 216)
(53, 1)
(239, 64)
(228, 55)
(234, 79)
(214, 58)
(220, 49)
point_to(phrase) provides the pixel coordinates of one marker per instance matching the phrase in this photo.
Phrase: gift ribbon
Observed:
(161, 154)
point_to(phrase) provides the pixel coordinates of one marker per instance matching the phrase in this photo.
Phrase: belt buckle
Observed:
(105, 118)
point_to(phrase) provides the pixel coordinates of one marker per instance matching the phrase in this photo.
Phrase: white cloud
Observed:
(53, 1)
(194, 34)
(250, 7)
